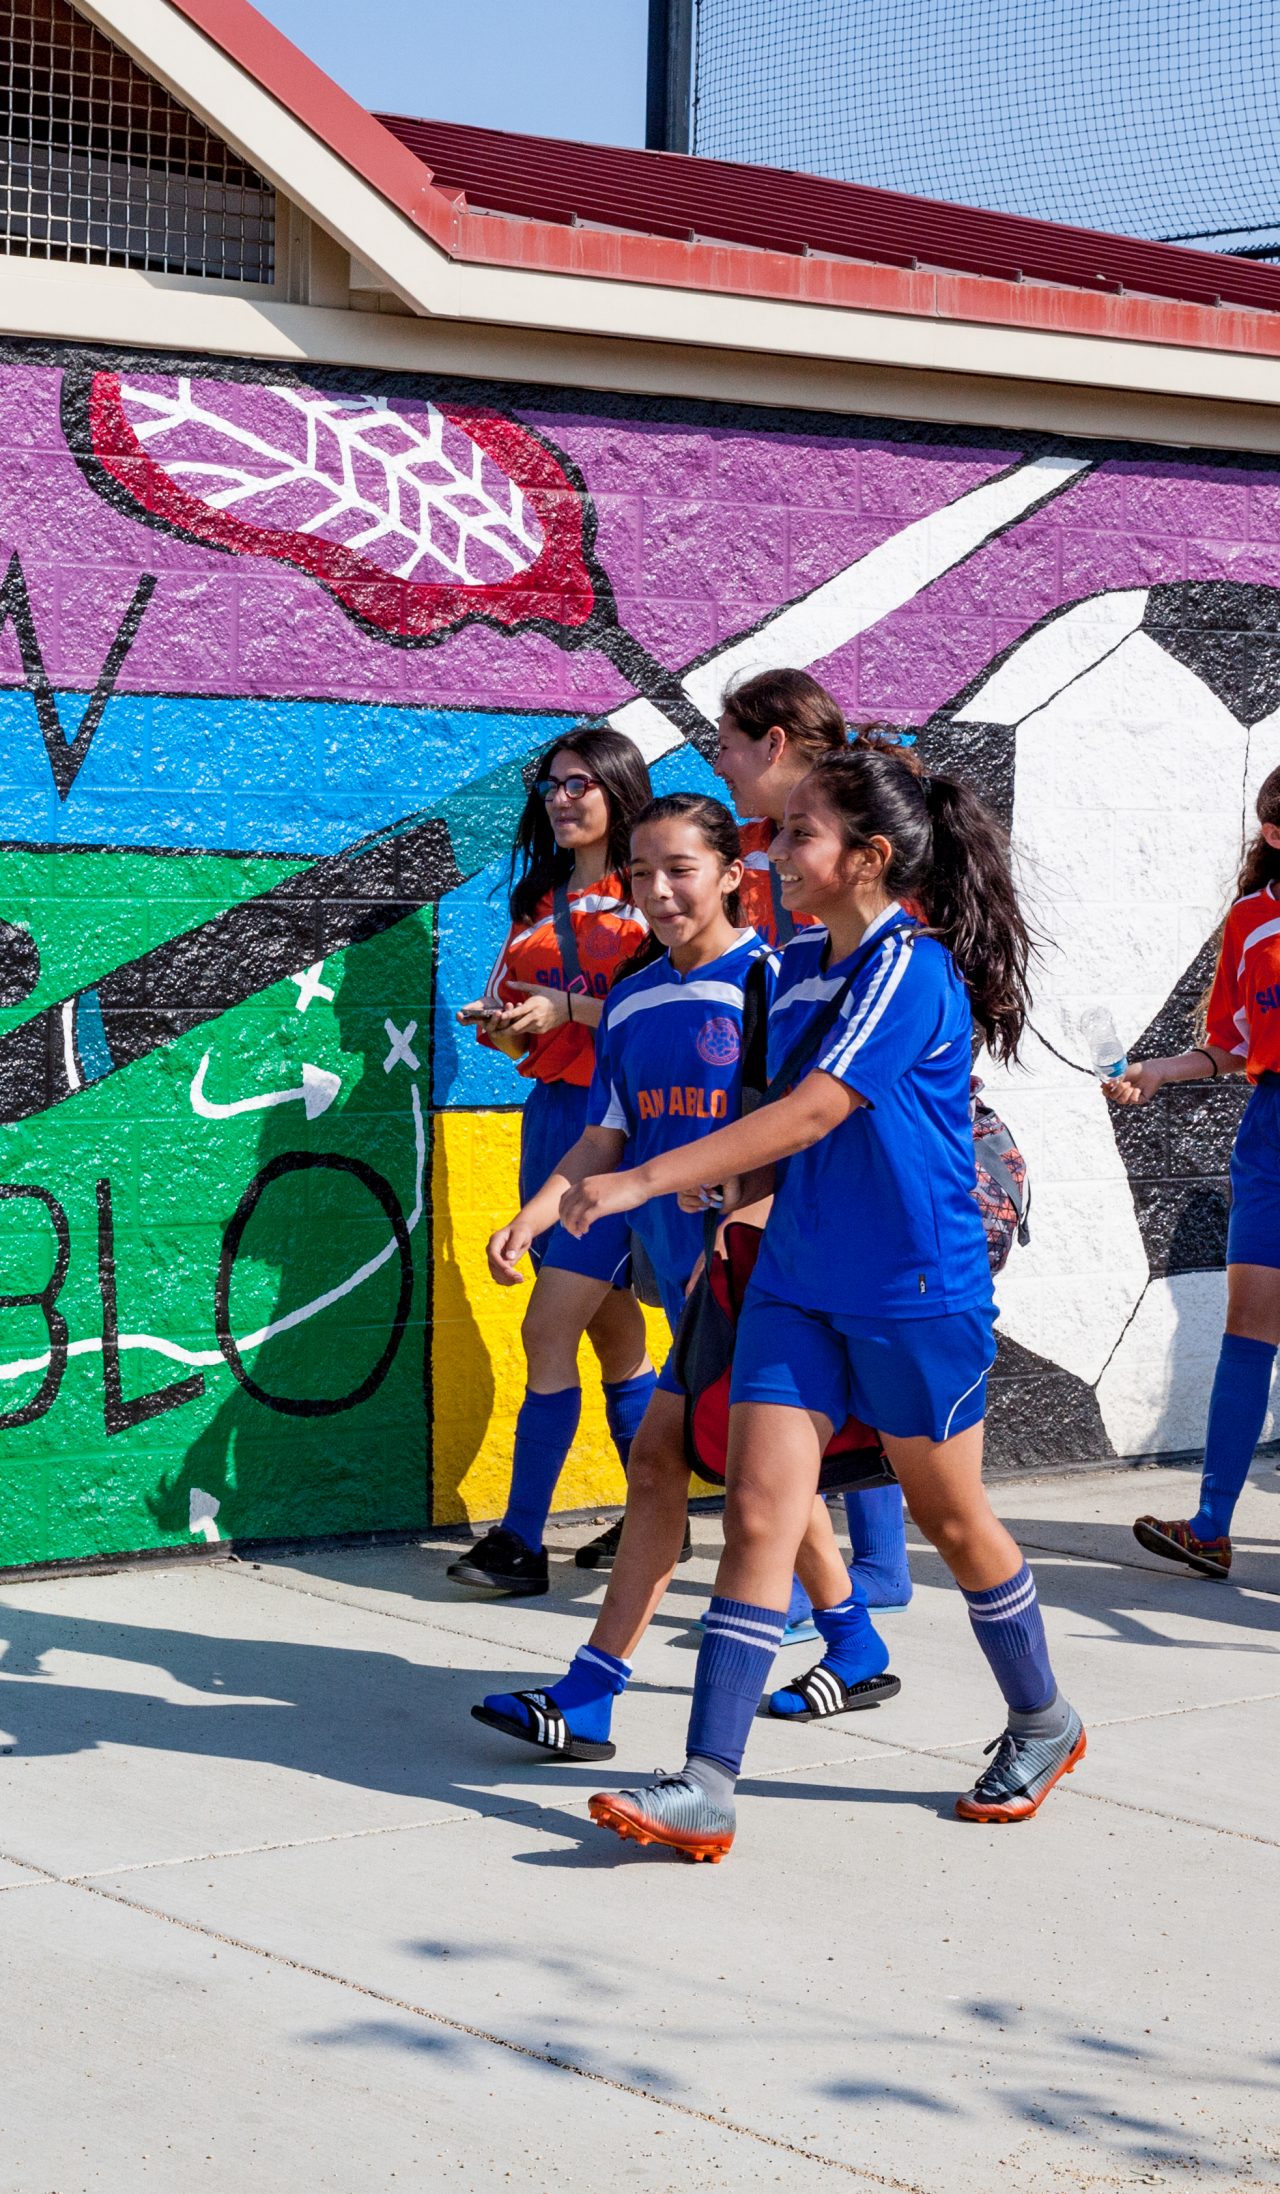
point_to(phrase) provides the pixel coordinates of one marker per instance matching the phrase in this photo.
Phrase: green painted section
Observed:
(72, 1487)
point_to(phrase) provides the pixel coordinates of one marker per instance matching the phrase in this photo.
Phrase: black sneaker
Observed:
(503, 1565)
(602, 1553)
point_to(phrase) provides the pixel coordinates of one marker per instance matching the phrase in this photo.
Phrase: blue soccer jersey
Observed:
(879, 1218)
(668, 1071)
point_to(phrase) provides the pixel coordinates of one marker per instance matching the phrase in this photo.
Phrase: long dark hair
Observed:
(1261, 864)
(538, 864)
(792, 700)
(950, 856)
(719, 832)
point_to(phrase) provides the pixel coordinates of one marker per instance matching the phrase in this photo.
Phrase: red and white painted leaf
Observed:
(415, 515)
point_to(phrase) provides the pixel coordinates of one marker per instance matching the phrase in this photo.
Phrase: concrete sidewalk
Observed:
(431, 1970)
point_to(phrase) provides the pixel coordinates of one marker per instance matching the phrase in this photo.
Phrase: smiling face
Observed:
(818, 870)
(679, 882)
(577, 807)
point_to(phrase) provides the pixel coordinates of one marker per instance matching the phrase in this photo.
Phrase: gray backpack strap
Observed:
(562, 920)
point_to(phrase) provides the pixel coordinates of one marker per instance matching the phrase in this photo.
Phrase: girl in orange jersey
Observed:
(775, 726)
(572, 926)
(1242, 1029)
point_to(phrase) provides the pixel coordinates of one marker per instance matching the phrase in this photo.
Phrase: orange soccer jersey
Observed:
(607, 929)
(759, 906)
(1244, 1004)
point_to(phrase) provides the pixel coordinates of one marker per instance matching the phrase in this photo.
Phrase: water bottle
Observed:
(1107, 1056)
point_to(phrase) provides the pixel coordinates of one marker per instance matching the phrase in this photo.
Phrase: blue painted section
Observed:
(251, 775)
(91, 1037)
(292, 777)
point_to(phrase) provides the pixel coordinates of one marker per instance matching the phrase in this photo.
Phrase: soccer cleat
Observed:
(1178, 1543)
(671, 1811)
(601, 1553)
(1022, 1774)
(503, 1566)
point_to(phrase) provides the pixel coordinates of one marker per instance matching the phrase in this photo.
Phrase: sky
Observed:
(558, 68)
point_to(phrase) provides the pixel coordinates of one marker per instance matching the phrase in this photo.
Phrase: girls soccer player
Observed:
(572, 926)
(668, 1072)
(1242, 1029)
(872, 1292)
(774, 727)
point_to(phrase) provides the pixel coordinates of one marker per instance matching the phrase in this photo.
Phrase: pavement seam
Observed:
(1143, 1569)
(389, 1614)
(475, 2033)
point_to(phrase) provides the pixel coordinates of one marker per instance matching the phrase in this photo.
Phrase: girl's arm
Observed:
(761, 1139)
(1147, 1077)
(598, 1150)
(544, 1009)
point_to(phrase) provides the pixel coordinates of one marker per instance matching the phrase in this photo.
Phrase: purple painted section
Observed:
(702, 533)
(1127, 525)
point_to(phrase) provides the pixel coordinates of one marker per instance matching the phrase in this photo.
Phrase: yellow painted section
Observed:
(476, 1357)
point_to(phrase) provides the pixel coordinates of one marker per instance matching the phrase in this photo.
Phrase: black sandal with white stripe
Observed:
(546, 1728)
(825, 1694)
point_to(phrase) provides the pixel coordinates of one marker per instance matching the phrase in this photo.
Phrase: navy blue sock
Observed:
(1237, 1412)
(1007, 1625)
(878, 1537)
(584, 1694)
(625, 1402)
(734, 1660)
(544, 1435)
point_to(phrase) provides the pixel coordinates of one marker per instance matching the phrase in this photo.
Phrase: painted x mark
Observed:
(401, 1052)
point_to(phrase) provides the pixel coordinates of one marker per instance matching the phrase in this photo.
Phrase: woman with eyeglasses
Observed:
(572, 926)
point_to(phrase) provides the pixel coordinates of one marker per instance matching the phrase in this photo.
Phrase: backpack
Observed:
(1002, 1194)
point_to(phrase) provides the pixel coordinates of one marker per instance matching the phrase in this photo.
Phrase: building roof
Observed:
(671, 194)
(493, 200)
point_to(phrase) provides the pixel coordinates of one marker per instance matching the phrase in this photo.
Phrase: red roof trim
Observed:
(785, 225)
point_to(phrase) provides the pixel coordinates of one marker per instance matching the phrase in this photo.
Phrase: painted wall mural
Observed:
(274, 653)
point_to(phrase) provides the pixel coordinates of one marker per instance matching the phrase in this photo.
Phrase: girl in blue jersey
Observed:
(872, 1292)
(773, 728)
(668, 1073)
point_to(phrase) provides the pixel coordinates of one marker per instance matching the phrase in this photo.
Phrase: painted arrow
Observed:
(317, 1092)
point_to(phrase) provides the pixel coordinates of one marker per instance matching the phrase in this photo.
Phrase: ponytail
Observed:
(1261, 864)
(950, 856)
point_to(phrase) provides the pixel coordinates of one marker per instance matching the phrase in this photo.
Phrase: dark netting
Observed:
(1153, 118)
(99, 163)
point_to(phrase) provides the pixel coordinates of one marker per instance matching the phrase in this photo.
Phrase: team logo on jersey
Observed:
(718, 1041)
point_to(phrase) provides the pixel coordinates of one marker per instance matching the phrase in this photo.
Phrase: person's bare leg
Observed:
(652, 1530)
(562, 1307)
(616, 1333)
(820, 1565)
(942, 1484)
(771, 1484)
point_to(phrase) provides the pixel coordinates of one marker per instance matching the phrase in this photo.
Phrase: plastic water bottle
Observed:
(1107, 1056)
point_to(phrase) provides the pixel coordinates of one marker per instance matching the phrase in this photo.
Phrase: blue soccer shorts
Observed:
(555, 1115)
(912, 1378)
(1253, 1231)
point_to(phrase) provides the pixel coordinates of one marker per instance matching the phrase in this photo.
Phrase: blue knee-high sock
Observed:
(878, 1537)
(1237, 1412)
(625, 1402)
(544, 1435)
(584, 1695)
(734, 1660)
(854, 1647)
(1007, 1625)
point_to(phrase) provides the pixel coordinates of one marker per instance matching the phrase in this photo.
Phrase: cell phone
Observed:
(482, 1012)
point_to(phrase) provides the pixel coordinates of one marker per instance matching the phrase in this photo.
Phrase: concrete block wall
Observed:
(274, 649)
